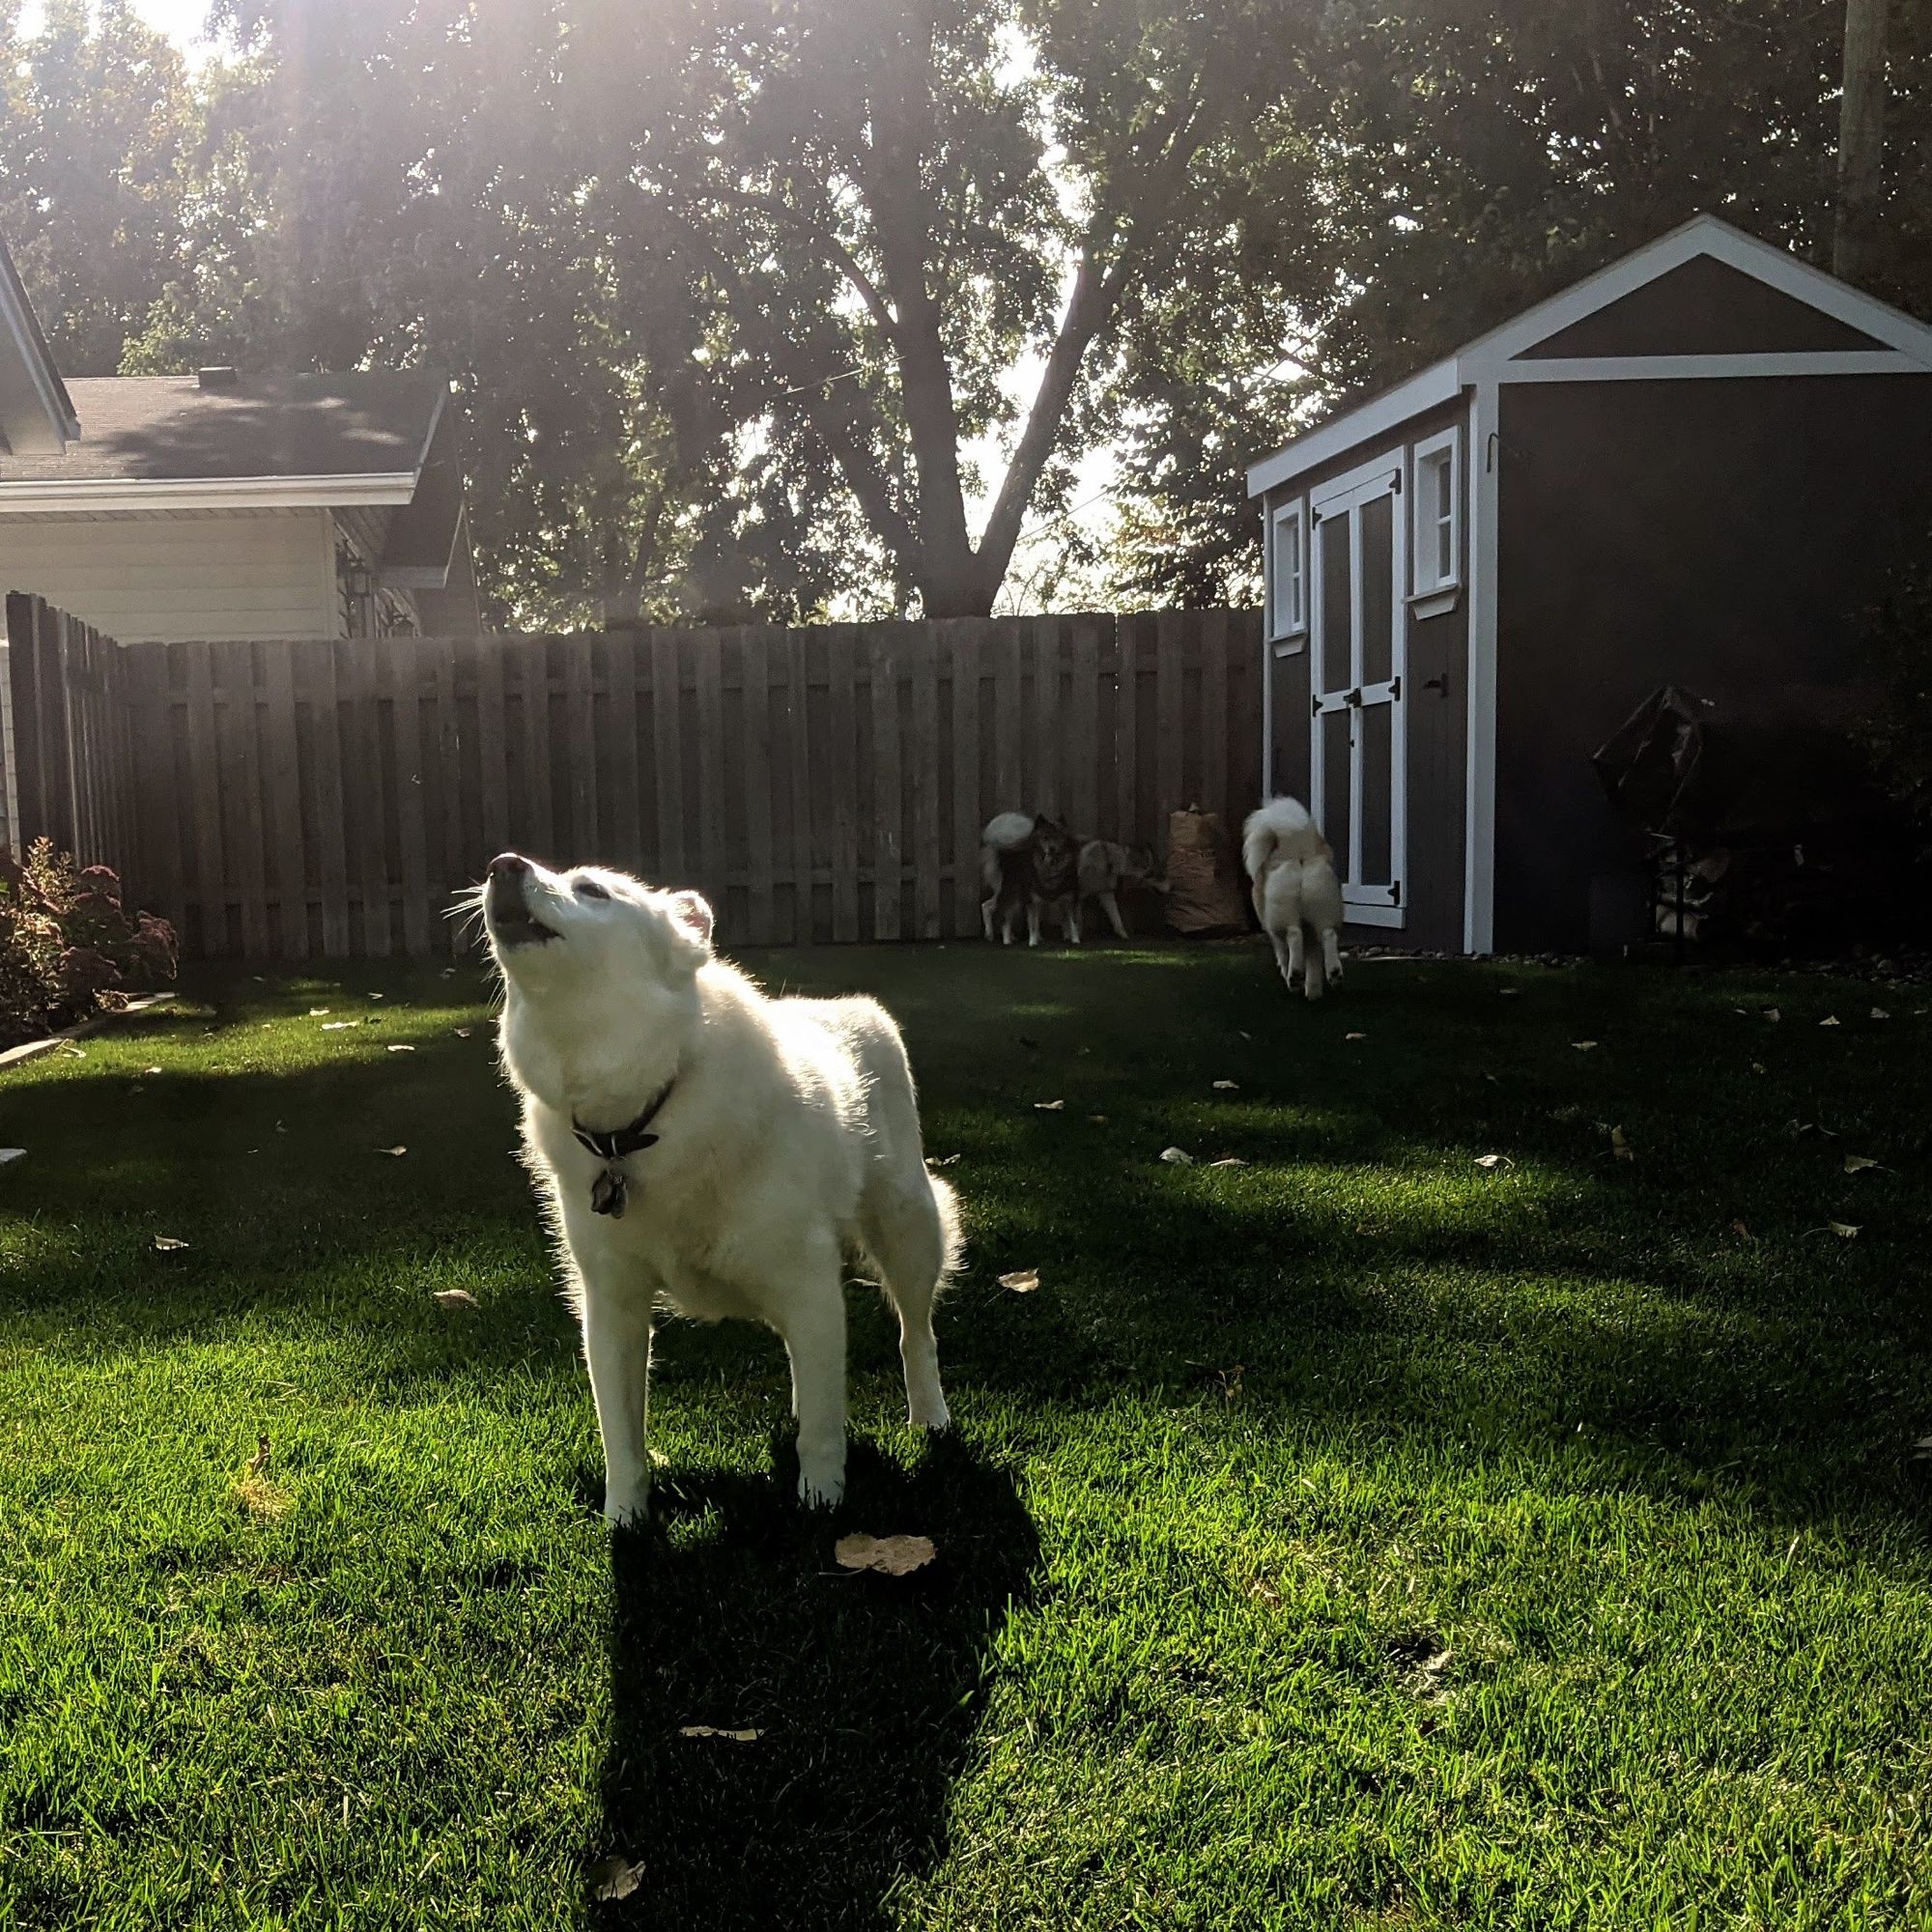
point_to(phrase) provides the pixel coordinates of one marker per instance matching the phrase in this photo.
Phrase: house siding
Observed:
(166, 577)
(1436, 697)
(1718, 535)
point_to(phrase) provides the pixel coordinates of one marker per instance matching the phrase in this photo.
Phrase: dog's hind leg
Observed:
(1070, 923)
(911, 1233)
(987, 908)
(1312, 979)
(814, 1339)
(618, 1351)
(1033, 922)
(1111, 906)
(1331, 951)
(1284, 958)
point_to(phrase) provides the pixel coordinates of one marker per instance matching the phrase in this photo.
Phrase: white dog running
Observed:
(703, 1146)
(1293, 868)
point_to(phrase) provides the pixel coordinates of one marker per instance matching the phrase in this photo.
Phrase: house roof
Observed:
(1853, 333)
(36, 412)
(156, 440)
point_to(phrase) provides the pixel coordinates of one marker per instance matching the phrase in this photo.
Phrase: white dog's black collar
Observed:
(614, 1145)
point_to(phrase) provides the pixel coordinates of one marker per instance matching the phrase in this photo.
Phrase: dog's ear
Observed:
(692, 913)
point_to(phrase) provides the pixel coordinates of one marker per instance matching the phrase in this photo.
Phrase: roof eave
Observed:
(1428, 389)
(29, 495)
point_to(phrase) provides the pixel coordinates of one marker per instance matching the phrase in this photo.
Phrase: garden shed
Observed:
(1691, 468)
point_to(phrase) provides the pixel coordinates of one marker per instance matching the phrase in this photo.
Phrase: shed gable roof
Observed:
(1704, 307)
(1704, 290)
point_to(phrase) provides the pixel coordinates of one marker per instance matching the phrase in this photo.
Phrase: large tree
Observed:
(812, 265)
(97, 116)
(1472, 157)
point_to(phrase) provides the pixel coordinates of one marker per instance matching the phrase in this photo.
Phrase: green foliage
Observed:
(1896, 646)
(67, 946)
(803, 307)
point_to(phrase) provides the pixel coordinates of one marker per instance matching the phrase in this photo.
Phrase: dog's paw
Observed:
(823, 1490)
(932, 1415)
(627, 1512)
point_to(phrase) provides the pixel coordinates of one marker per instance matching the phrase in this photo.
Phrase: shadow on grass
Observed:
(865, 1690)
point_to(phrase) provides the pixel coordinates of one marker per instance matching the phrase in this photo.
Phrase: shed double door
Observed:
(1357, 757)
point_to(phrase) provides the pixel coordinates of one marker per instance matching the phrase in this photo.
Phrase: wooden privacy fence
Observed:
(66, 756)
(299, 799)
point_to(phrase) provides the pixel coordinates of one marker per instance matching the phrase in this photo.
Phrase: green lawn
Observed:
(1359, 1537)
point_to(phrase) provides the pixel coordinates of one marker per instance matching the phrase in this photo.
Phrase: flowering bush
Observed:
(67, 946)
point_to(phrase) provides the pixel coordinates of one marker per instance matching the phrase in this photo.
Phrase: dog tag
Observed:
(607, 1193)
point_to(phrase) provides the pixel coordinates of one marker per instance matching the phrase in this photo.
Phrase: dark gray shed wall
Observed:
(1713, 535)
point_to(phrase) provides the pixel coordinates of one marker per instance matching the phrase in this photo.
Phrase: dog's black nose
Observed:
(508, 865)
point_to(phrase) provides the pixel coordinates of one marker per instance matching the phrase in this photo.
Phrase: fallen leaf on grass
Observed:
(1620, 1145)
(1857, 1163)
(1022, 1281)
(1584, 1045)
(454, 1297)
(1227, 1087)
(1921, 1449)
(151, 1070)
(1757, 1066)
(1844, 1229)
(1229, 1160)
(379, 996)
(1772, 1013)
(1099, 1120)
(168, 1244)
(11, 1154)
(339, 1026)
(394, 1152)
(398, 1046)
(464, 1032)
(258, 1462)
(1830, 1019)
(1743, 1233)
(889, 1555)
(945, 1160)
(73, 1052)
(1880, 1014)
(1177, 1156)
(616, 1878)
(1049, 1106)
(714, 1731)
(1508, 992)
(447, 973)
(1494, 1161)
(318, 1012)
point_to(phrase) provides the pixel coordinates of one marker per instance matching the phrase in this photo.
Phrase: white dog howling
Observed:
(703, 1147)
(1292, 869)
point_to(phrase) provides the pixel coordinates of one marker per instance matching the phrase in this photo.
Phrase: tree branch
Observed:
(841, 256)
(1096, 294)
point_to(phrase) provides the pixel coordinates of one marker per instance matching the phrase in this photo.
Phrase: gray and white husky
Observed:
(705, 1148)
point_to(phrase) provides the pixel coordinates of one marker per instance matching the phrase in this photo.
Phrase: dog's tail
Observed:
(953, 1239)
(1007, 831)
(1279, 829)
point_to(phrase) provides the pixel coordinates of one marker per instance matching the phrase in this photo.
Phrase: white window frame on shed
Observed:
(1435, 464)
(1287, 546)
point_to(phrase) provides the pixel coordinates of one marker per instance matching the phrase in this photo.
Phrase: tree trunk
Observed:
(1860, 139)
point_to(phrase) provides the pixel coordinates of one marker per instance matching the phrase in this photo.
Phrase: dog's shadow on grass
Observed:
(864, 1689)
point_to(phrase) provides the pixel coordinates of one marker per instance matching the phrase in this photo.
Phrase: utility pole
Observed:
(1860, 139)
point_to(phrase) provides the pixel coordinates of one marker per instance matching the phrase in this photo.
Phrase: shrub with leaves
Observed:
(68, 948)
(1896, 728)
